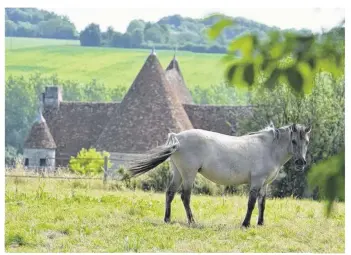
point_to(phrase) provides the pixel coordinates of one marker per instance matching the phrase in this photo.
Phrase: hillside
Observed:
(107, 65)
(13, 43)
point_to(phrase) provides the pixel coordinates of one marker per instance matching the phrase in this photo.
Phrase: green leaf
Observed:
(312, 62)
(214, 31)
(272, 80)
(295, 79)
(228, 58)
(307, 75)
(277, 50)
(231, 72)
(264, 64)
(244, 43)
(249, 74)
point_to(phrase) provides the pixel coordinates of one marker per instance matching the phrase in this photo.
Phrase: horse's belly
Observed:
(225, 176)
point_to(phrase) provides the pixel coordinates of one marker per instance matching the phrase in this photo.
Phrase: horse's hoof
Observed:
(191, 223)
(259, 223)
(245, 225)
(167, 221)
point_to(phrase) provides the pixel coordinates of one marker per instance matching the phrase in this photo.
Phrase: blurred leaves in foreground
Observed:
(329, 177)
(294, 59)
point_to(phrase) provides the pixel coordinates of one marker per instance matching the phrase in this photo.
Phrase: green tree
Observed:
(135, 25)
(137, 38)
(10, 28)
(154, 34)
(91, 35)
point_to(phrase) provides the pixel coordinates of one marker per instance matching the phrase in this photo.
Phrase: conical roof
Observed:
(39, 136)
(176, 80)
(148, 112)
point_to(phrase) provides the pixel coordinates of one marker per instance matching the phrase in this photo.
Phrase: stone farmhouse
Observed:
(158, 102)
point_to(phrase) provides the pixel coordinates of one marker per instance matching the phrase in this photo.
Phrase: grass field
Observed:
(113, 66)
(13, 43)
(83, 216)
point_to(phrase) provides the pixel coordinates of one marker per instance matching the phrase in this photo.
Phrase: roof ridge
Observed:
(149, 110)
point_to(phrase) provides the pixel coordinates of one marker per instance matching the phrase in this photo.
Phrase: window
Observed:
(26, 161)
(43, 162)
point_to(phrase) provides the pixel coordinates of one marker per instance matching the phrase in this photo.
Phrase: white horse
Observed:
(255, 158)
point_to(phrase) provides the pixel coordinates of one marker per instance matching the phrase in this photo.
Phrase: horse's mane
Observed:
(271, 128)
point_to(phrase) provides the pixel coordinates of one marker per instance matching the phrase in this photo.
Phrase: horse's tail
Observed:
(155, 157)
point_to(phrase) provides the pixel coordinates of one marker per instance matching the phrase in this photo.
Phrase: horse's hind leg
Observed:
(171, 190)
(188, 167)
(186, 194)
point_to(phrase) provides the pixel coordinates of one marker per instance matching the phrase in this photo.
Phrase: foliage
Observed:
(325, 176)
(89, 162)
(11, 155)
(32, 22)
(184, 33)
(292, 58)
(158, 179)
(286, 56)
(22, 101)
(90, 36)
(323, 109)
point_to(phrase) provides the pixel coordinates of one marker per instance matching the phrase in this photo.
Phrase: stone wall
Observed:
(34, 156)
(217, 118)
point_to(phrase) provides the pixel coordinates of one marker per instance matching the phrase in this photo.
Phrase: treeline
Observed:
(167, 33)
(170, 32)
(32, 22)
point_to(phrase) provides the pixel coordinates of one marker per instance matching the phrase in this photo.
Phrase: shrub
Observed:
(89, 162)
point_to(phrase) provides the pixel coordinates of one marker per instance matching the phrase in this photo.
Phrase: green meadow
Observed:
(50, 215)
(112, 66)
(13, 43)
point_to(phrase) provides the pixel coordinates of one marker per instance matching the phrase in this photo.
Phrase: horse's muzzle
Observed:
(300, 162)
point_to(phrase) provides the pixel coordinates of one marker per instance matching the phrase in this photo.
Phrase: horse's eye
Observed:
(294, 142)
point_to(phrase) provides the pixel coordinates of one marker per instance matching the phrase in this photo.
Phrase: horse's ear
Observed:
(308, 129)
(294, 128)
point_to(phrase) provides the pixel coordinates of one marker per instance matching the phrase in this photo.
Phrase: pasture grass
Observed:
(13, 43)
(50, 215)
(112, 66)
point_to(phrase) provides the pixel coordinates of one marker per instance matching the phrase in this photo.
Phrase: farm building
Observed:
(158, 102)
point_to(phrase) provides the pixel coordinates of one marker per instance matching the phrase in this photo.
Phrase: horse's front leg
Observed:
(261, 205)
(250, 206)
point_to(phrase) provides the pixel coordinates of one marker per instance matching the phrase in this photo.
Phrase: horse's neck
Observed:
(281, 147)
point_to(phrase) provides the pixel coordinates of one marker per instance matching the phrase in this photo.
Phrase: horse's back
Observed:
(217, 156)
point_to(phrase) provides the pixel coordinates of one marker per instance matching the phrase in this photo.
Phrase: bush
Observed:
(158, 179)
(323, 109)
(89, 162)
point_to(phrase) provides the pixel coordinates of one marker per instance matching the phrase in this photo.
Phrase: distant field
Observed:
(48, 215)
(12, 43)
(113, 66)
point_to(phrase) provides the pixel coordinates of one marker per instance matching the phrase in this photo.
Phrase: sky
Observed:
(119, 18)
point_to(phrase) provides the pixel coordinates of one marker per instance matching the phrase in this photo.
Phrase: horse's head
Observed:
(300, 136)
